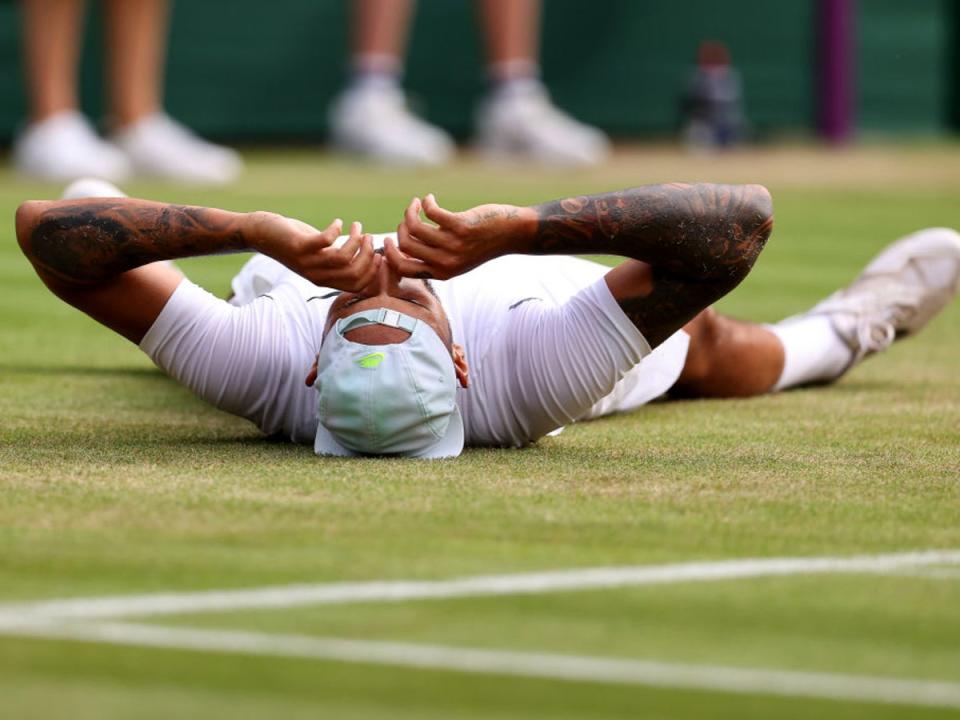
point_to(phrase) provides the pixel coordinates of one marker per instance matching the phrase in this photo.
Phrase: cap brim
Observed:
(450, 445)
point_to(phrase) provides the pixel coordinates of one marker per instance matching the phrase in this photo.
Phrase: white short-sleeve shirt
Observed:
(546, 342)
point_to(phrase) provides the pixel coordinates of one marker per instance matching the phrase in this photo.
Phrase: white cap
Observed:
(393, 399)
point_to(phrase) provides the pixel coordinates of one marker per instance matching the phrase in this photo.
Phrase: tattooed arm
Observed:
(690, 244)
(84, 242)
(100, 254)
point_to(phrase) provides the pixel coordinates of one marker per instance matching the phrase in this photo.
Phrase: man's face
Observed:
(388, 290)
(406, 295)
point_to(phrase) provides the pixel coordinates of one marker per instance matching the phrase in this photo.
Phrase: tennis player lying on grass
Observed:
(474, 327)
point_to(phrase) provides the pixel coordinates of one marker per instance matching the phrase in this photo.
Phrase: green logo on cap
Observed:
(372, 360)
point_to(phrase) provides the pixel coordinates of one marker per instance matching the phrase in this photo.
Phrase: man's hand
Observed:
(310, 252)
(459, 241)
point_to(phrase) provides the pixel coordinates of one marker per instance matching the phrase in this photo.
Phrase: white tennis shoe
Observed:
(374, 122)
(65, 146)
(159, 146)
(524, 124)
(897, 294)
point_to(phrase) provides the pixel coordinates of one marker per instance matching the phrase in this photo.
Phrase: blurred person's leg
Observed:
(58, 143)
(518, 119)
(154, 143)
(371, 118)
(136, 42)
(51, 44)
(380, 32)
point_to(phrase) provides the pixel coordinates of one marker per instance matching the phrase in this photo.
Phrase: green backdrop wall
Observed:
(250, 69)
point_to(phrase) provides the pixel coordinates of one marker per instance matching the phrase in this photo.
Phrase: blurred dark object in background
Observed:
(836, 51)
(713, 103)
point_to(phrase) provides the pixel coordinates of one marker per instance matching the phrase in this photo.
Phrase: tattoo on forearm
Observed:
(493, 213)
(84, 242)
(700, 241)
(700, 231)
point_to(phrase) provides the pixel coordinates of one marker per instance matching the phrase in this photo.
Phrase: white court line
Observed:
(788, 683)
(286, 596)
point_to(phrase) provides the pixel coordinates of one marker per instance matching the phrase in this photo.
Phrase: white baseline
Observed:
(595, 578)
(787, 683)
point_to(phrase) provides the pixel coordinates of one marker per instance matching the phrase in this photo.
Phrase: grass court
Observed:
(114, 481)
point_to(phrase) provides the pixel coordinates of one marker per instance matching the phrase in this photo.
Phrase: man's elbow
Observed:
(27, 219)
(751, 230)
(760, 214)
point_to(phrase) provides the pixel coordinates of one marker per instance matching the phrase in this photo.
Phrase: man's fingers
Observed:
(417, 227)
(432, 209)
(333, 230)
(357, 273)
(403, 236)
(412, 247)
(345, 252)
(365, 255)
(371, 269)
(416, 250)
(356, 231)
(364, 265)
(413, 210)
(392, 253)
(405, 266)
(370, 272)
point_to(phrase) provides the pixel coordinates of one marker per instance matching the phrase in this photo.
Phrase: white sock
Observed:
(812, 350)
(375, 72)
(514, 77)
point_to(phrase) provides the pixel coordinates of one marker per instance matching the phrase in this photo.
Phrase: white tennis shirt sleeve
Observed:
(243, 360)
(556, 362)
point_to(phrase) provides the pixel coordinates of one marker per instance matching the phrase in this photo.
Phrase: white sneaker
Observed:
(524, 123)
(374, 122)
(64, 147)
(159, 146)
(897, 294)
(90, 187)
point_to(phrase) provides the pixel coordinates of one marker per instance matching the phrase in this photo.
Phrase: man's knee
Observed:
(704, 331)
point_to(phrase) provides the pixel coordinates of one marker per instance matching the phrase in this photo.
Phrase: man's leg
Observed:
(728, 358)
(896, 295)
(137, 39)
(370, 118)
(380, 32)
(51, 45)
(58, 143)
(511, 31)
(518, 117)
(154, 143)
